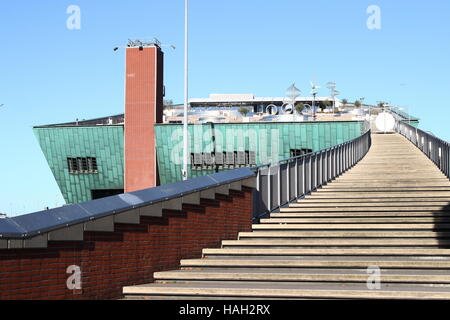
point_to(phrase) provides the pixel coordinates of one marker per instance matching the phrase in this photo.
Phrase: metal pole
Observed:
(314, 107)
(186, 92)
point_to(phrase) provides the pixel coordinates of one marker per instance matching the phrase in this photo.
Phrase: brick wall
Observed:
(128, 256)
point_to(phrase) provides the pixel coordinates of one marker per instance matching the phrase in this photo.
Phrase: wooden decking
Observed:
(391, 211)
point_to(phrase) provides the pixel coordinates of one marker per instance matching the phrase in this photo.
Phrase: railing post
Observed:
(316, 180)
(269, 189)
(280, 178)
(304, 175)
(321, 168)
(339, 154)
(288, 181)
(296, 179)
(310, 174)
(333, 162)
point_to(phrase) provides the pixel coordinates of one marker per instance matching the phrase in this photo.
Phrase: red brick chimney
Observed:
(144, 91)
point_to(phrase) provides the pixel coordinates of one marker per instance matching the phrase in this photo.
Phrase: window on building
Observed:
(222, 160)
(82, 165)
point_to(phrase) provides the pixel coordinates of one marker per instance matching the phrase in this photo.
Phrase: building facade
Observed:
(87, 158)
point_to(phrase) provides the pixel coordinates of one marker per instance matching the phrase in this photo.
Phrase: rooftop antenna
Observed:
(186, 151)
(141, 43)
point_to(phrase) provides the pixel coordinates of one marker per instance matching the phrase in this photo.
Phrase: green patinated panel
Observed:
(105, 143)
(264, 138)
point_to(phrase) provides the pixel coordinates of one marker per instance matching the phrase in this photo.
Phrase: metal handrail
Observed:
(437, 150)
(287, 180)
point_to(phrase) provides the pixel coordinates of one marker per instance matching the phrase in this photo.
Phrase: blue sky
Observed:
(50, 74)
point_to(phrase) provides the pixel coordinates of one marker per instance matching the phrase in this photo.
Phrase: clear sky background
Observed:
(50, 74)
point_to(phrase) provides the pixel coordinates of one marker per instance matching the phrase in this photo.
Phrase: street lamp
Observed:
(186, 92)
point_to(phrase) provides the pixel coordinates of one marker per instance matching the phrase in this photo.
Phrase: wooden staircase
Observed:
(389, 214)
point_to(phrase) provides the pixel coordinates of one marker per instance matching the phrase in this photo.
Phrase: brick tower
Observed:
(144, 93)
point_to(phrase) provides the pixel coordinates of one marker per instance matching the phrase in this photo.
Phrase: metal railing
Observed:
(435, 149)
(291, 179)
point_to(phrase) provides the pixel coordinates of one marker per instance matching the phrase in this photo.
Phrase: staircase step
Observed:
(345, 234)
(383, 188)
(327, 262)
(357, 198)
(329, 251)
(304, 275)
(405, 220)
(337, 204)
(337, 242)
(364, 226)
(384, 195)
(382, 214)
(298, 209)
(297, 290)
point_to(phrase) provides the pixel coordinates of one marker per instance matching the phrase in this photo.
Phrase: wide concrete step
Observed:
(388, 220)
(337, 242)
(380, 195)
(355, 200)
(296, 207)
(328, 251)
(270, 290)
(260, 234)
(394, 173)
(342, 181)
(356, 226)
(329, 262)
(303, 275)
(359, 214)
(382, 189)
(338, 204)
(386, 183)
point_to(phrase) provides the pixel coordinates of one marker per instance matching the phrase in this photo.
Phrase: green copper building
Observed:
(87, 157)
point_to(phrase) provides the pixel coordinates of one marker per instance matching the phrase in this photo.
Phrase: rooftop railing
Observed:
(437, 150)
(288, 180)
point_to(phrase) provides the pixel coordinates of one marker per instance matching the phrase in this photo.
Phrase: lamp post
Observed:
(186, 93)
